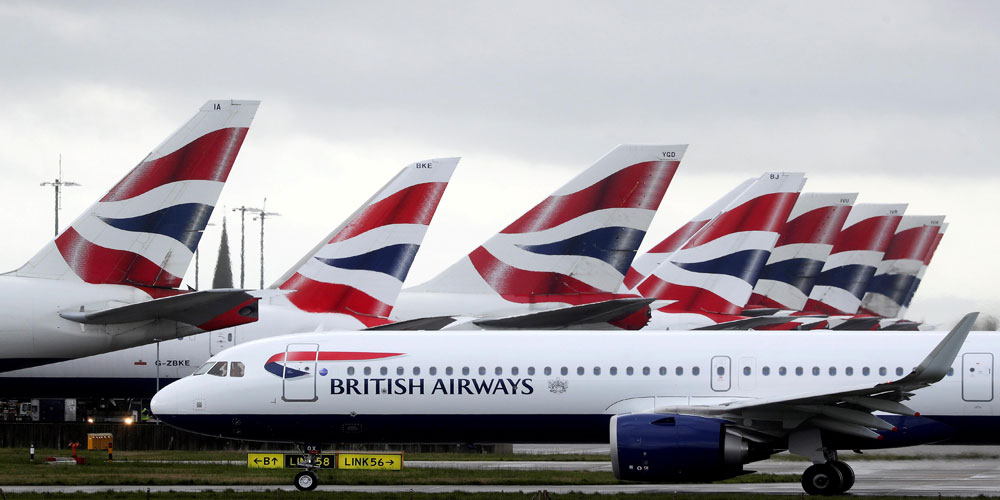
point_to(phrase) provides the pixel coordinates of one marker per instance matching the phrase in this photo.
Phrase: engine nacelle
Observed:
(675, 448)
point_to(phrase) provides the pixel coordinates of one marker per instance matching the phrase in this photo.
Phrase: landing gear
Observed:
(823, 479)
(306, 480)
(847, 472)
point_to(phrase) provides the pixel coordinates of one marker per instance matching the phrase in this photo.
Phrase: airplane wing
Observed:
(430, 323)
(194, 308)
(751, 323)
(847, 411)
(565, 317)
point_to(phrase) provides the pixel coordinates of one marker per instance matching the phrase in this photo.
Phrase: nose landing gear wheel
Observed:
(306, 480)
(822, 479)
(847, 472)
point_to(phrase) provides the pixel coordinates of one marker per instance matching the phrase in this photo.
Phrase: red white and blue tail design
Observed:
(716, 269)
(923, 268)
(575, 246)
(859, 248)
(144, 231)
(801, 251)
(896, 274)
(360, 267)
(644, 264)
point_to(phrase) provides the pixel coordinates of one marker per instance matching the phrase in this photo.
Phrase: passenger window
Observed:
(400, 370)
(720, 370)
(498, 371)
(629, 371)
(613, 370)
(899, 371)
(433, 370)
(866, 371)
(645, 370)
(564, 370)
(465, 370)
(548, 370)
(237, 369)
(204, 368)
(747, 371)
(368, 370)
(597, 370)
(416, 370)
(882, 371)
(482, 370)
(833, 370)
(350, 370)
(765, 371)
(448, 371)
(695, 370)
(679, 370)
(663, 370)
(579, 370)
(531, 370)
(219, 370)
(384, 370)
(782, 371)
(951, 371)
(798, 371)
(849, 371)
(815, 371)
(513, 370)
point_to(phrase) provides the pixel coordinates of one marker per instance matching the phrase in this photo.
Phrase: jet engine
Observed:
(676, 448)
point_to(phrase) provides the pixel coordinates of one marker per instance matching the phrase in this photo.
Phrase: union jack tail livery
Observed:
(923, 267)
(359, 268)
(716, 269)
(647, 262)
(859, 248)
(575, 246)
(804, 245)
(897, 273)
(145, 230)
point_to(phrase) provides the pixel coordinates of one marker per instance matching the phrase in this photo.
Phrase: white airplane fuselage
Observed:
(33, 333)
(139, 371)
(560, 386)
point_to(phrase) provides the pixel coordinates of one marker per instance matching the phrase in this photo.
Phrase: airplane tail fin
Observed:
(647, 262)
(897, 273)
(716, 269)
(577, 244)
(804, 245)
(359, 268)
(923, 268)
(859, 248)
(145, 230)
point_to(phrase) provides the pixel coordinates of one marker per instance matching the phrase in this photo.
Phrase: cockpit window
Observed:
(203, 368)
(219, 370)
(237, 369)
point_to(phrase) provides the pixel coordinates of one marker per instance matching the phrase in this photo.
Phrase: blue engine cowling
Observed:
(674, 448)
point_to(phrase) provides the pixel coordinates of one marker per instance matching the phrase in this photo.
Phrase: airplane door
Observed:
(221, 340)
(977, 376)
(299, 380)
(720, 373)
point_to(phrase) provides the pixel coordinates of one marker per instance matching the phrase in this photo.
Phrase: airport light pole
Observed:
(197, 263)
(243, 223)
(58, 185)
(261, 215)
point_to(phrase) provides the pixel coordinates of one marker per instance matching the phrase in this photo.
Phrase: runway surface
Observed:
(927, 478)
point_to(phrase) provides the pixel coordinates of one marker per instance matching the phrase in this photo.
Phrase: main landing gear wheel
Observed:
(847, 472)
(822, 479)
(306, 480)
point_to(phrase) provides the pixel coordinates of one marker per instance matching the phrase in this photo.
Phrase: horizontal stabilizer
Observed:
(194, 308)
(431, 323)
(750, 323)
(598, 312)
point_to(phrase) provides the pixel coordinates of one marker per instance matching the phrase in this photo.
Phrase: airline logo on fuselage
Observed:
(444, 386)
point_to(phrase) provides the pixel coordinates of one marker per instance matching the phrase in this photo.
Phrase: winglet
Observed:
(935, 366)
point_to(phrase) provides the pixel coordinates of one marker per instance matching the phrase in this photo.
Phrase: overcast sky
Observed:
(897, 100)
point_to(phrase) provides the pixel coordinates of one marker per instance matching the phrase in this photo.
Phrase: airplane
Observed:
(683, 407)
(110, 280)
(923, 268)
(562, 262)
(349, 281)
(710, 278)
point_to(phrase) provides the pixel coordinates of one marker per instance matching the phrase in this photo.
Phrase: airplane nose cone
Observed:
(166, 402)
